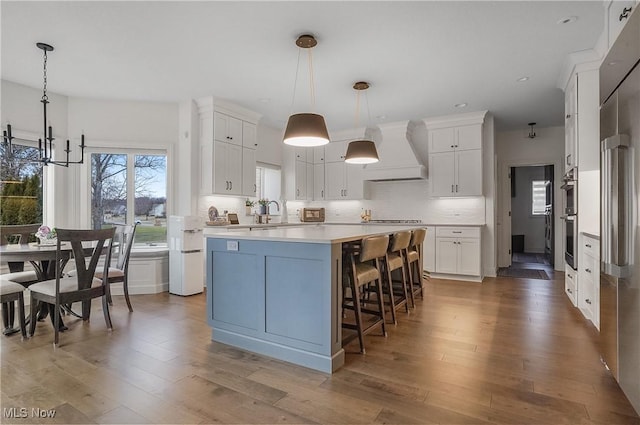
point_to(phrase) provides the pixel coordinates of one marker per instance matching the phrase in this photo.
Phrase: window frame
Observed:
(85, 183)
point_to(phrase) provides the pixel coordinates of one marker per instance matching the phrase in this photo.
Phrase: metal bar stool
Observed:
(364, 270)
(398, 294)
(414, 263)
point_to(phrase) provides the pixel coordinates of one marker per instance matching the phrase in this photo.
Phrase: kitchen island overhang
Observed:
(278, 292)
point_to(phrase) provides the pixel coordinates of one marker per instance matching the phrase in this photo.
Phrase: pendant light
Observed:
(361, 151)
(306, 129)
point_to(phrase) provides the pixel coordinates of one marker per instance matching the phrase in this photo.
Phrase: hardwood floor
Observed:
(508, 351)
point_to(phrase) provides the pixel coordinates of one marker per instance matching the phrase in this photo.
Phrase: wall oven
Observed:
(570, 217)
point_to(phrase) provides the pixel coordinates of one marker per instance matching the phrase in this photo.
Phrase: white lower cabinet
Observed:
(571, 284)
(589, 279)
(458, 251)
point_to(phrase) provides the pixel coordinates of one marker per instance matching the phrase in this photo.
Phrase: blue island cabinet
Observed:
(280, 299)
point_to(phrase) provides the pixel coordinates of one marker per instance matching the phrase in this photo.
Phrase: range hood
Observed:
(400, 158)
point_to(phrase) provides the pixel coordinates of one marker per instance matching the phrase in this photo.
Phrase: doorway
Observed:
(532, 222)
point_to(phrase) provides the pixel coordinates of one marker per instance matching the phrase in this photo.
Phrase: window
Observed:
(538, 197)
(20, 186)
(130, 188)
(268, 185)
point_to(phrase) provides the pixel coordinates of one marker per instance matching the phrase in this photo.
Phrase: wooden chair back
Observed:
(19, 233)
(400, 241)
(124, 238)
(374, 247)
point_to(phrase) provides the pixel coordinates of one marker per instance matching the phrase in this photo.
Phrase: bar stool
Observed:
(9, 292)
(364, 270)
(414, 263)
(398, 295)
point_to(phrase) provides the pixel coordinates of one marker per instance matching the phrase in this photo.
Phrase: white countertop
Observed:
(298, 224)
(317, 233)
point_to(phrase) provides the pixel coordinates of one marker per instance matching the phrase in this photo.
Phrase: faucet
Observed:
(277, 207)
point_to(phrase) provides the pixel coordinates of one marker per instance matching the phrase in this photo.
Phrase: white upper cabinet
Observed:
(618, 13)
(455, 155)
(570, 124)
(227, 128)
(335, 151)
(318, 182)
(228, 141)
(318, 155)
(342, 180)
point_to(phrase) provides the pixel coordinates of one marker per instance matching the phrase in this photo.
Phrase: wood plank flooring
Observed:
(507, 351)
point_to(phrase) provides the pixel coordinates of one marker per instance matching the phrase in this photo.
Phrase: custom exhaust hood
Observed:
(401, 156)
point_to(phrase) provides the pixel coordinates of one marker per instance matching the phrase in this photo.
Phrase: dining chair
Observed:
(414, 262)
(11, 292)
(83, 286)
(398, 294)
(16, 234)
(120, 273)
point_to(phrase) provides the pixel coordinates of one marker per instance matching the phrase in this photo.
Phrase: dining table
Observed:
(42, 258)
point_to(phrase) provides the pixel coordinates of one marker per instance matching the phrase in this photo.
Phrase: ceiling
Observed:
(420, 57)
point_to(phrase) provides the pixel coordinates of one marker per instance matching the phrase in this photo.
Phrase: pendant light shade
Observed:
(361, 152)
(307, 130)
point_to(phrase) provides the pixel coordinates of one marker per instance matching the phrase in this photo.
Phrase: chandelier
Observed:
(45, 144)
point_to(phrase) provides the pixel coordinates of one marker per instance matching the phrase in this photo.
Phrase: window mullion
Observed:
(131, 188)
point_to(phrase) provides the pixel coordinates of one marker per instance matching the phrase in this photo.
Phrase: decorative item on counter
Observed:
(215, 219)
(46, 235)
(365, 216)
(263, 202)
(248, 204)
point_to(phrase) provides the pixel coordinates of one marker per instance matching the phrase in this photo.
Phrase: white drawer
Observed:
(457, 232)
(591, 246)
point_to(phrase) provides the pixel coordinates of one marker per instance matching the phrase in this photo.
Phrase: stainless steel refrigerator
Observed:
(620, 186)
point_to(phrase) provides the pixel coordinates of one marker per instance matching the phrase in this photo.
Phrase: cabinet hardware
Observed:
(570, 277)
(456, 188)
(455, 146)
(451, 188)
(255, 144)
(587, 270)
(230, 185)
(297, 192)
(588, 301)
(568, 116)
(625, 13)
(569, 159)
(588, 245)
(322, 194)
(456, 231)
(227, 182)
(254, 188)
(569, 290)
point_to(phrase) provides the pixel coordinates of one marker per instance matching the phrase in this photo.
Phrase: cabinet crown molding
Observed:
(455, 120)
(208, 103)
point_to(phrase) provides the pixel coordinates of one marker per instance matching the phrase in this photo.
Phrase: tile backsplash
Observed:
(408, 200)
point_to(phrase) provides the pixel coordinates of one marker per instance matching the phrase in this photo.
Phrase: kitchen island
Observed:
(278, 292)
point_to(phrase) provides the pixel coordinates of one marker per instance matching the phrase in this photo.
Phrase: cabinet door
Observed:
(429, 250)
(318, 155)
(234, 131)
(570, 124)
(318, 182)
(587, 288)
(220, 126)
(469, 173)
(301, 180)
(469, 256)
(334, 180)
(234, 168)
(249, 135)
(335, 151)
(469, 137)
(309, 181)
(441, 174)
(354, 184)
(220, 180)
(248, 172)
(446, 255)
(616, 18)
(206, 154)
(442, 139)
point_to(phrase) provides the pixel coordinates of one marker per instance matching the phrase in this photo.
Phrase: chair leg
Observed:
(125, 288)
(105, 311)
(407, 294)
(86, 310)
(23, 325)
(33, 305)
(391, 296)
(56, 324)
(357, 313)
(381, 305)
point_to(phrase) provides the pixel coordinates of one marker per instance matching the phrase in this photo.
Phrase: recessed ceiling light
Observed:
(460, 105)
(522, 79)
(567, 20)
(264, 100)
(381, 117)
(613, 63)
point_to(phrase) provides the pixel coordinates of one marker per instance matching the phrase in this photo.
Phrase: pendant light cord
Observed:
(295, 84)
(357, 119)
(312, 83)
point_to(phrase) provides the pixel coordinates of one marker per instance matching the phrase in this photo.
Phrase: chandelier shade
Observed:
(306, 130)
(361, 152)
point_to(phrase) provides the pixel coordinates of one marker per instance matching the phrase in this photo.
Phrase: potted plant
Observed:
(46, 235)
(263, 205)
(248, 204)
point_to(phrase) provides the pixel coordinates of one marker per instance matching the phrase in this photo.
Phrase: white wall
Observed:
(514, 149)
(522, 221)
